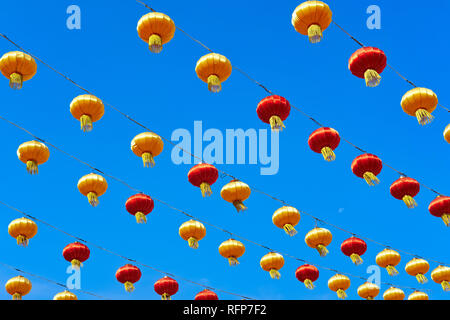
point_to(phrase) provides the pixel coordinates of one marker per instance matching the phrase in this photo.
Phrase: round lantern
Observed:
(128, 275)
(156, 29)
(368, 290)
(76, 253)
(214, 69)
(418, 295)
(192, 231)
(339, 284)
(420, 103)
(367, 166)
(440, 207)
(206, 295)
(17, 67)
(147, 145)
(166, 287)
(139, 205)
(22, 230)
(18, 287)
(203, 175)
(274, 110)
(354, 248)
(325, 140)
(65, 295)
(272, 263)
(319, 239)
(286, 218)
(33, 154)
(394, 294)
(418, 268)
(232, 250)
(367, 63)
(87, 109)
(92, 186)
(307, 274)
(236, 192)
(388, 259)
(311, 18)
(447, 133)
(442, 275)
(406, 189)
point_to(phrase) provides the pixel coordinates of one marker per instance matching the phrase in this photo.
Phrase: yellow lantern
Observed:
(272, 262)
(442, 275)
(311, 18)
(447, 133)
(394, 294)
(319, 239)
(147, 146)
(22, 230)
(236, 192)
(156, 29)
(418, 295)
(92, 186)
(87, 109)
(18, 287)
(214, 69)
(192, 231)
(33, 153)
(232, 250)
(17, 67)
(388, 259)
(286, 218)
(420, 102)
(339, 283)
(368, 290)
(65, 295)
(417, 268)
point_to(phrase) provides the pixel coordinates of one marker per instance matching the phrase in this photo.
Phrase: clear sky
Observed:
(163, 91)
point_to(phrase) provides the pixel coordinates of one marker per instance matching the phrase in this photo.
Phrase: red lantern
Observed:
(139, 206)
(368, 63)
(274, 110)
(128, 275)
(440, 207)
(405, 189)
(354, 248)
(166, 287)
(206, 295)
(324, 140)
(307, 274)
(203, 175)
(76, 253)
(367, 166)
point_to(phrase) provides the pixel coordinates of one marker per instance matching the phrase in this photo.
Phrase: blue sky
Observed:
(163, 91)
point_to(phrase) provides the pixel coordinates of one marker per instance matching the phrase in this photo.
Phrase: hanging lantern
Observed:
(367, 166)
(166, 287)
(22, 230)
(286, 218)
(206, 295)
(18, 287)
(92, 186)
(192, 231)
(203, 175)
(440, 207)
(272, 263)
(319, 239)
(393, 294)
(417, 268)
(65, 295)
(388, 259)
(442, 275)
(236, 192)
(311, 18)
(274, 110)
(76, 253)
(420, 103)
(406, 189)
(368, 291)
(140, 205)
(307, 274)
(232, 250)
(354, 248)
(33, 154)
(339, 283)
(87, 109)
(17, 67)
(147, 146)
(156, 29)
(214, 69)
(324, 140)
(367, 63)
(128, 275)
(447, 133)
(418, 295)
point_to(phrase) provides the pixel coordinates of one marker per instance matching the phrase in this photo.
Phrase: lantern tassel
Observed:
(233, 261)
(86, 123)
(370, 298)
(276, 123)
(129, 287)
(446, 218)
(15, 81)
(371, 179)
(274, 274)
(22, 241)
(148, 160)
(341, 294)
(140, 217)
(309, 284)
(92, 198)
(409, 201)
(391, 271)
(328, 154)
(155, 43)
(166, 296)
(214, 84)
(356, 259)
(17, 296)
(424, 117)
(421, 278)
(193, 243)
(372, 77)
(239, 205)
(76, 264)
(289, 229)
(315, 33)
(323, 251)
(32, 167)
(445, 285)
(206, 189)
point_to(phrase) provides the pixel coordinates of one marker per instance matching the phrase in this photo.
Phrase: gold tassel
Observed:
(233, 261)
(17, 296)
(193, 243)
(370, 298)
(76, 264)
(424, 117)
(356, 259)
(165, 296)
(129, 287)
(445, 285)
(15, 81)
(309, 284)
(206, 189)
(421, 278)
(92, 198)
(239, 205)
(341, 294)
(148, 160)
(372, 77)
(323, 251)
(315, 33)
(409, 201)
(86, 123)
(276, 123)
(155, 43)
(32, 167)
(274, 274)
(391, 271)
(214, 84)
(328, 154)
(446, 218)
(371, 179)
(140, 217)
(22, 241)
(290, 230)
